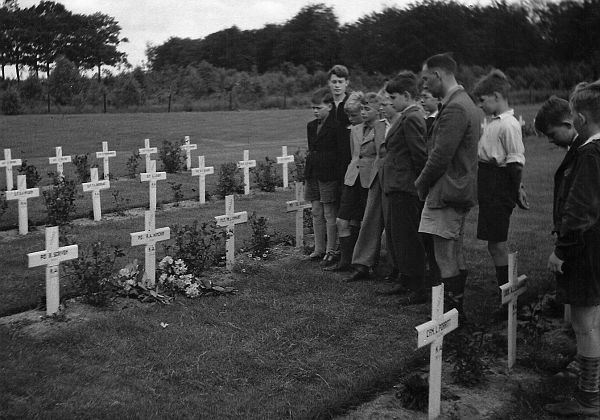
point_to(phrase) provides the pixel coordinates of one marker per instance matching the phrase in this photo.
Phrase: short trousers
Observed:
(323, 191)
(447, 222)
(495, 203)
(353, 201)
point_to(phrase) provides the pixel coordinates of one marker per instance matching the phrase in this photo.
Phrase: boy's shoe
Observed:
(329, 259)
(360, 273)
(583, 404)
(316, 256)
(338, 267)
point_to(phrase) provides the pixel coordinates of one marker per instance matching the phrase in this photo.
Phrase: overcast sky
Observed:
(154, 21)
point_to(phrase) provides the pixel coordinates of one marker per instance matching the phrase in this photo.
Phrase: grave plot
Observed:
(201, 171)
(229, 220)
(8, 164)
(246, 164)
(187, 147)
(95, 186)
(22, 194)
(105, 155)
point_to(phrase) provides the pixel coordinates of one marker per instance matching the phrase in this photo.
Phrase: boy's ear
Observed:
(498, 96)
(330, 106)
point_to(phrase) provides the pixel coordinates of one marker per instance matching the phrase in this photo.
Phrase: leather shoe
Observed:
(329, 259)
(316, 256)
(338, 267)
(358, 274)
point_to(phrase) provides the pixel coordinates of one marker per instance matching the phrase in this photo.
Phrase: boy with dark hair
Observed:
(405, 158)
(322, 173)
(576, 257)
(430, 106)
(501, 157)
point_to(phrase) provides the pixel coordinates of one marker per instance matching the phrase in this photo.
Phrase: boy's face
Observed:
(429, 102)
(562, 135)
(321, 111)
(354, 116)
(386, 108)
(337, 85)
(489, 103)
(399, 101)
(369, 113)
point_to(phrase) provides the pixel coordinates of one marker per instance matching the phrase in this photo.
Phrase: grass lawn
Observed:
(294, 342)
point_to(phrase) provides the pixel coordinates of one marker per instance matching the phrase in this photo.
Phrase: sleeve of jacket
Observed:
(416, 130)
(451, 127)
(582, 207)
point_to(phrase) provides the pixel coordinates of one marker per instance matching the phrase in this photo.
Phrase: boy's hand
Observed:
(522, 201)
(555, 263)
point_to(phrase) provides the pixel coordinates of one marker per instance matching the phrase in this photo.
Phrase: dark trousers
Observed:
(402, 234)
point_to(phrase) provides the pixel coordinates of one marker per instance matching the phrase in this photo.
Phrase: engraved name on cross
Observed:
(201, 171)
(229, 220)
(510, 293)
(22, 193)
(298, 205)
(95, 186)
(246, 164)
(152, 176)
(149, 237)
(59, 160)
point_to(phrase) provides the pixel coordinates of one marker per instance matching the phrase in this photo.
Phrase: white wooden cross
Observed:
(8, 163)
(59, 160)
(51, 258)
(521, 121)
(510, 293)
(187, 147)
(298, 205)
(284, 159)
(433, 333)
(95, 186)
(152, 176)
(246, 164)
(201, 171)
(147, 151)
(105, 154)
(149, 237)
(229, 220)
(22, 193)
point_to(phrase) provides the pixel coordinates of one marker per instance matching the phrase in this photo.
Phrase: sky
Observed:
(152, 22)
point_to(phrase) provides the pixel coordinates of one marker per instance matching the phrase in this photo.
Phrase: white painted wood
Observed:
(229, 220)
(432, 333)
(147, 151)
(59, 160)
(201, 171)
(51, 258)
(22, 193)
(151, 176)
(95, 186)
(284, 160)
(187, 147)
(149, 237)
(8, 163)
(246, 164)
(510, 293)
(105, 154)
(298, 205)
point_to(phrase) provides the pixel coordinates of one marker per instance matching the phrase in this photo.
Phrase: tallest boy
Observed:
(448, 182)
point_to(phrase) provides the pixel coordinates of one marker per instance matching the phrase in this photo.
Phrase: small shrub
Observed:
(177, 194)
(266, 176)
(92, 271)
(120, 202)
(414, 393)
(261, 240)
(199, 246)
(32, 176)
(82, 167)
(171, 156)
(299, 165)
(11, 102)
(59, 200)
(133, 162)
(3, 204)
(468, 348)
(230, 180)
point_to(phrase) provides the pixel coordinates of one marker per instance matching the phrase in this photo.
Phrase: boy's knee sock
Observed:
(320, 233)
(589, 382)
(502, 274)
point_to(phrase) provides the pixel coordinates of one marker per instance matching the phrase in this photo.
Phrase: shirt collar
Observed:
(591, 139)
(505, 114)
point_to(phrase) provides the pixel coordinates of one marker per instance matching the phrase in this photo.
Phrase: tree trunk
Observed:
(169, 106)
(48, 100)
(104, 101)
(99, 74)
(18, 71)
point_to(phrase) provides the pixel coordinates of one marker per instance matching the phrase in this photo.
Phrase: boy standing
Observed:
(501, 159)
(576, 257)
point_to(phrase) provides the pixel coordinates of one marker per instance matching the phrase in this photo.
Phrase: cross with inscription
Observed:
(284, 159)
(246, 164)
(229, 220)
(201, 171)
(147, 151)
(59, 160)
(51, 258)
(152, 176)
(95, 186)
(149, 237)
(433, 333)
(298, 205)
(105, 154)
(8, 163)
(510, 293)
(187, 147)
(22, 193)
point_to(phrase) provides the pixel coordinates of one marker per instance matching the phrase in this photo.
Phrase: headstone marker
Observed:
(147, 151)
(201, 171)
(22, 193)
(51, 258)
(229, 220)
(187, 147)
(246, 164)
(149, 237)
(8, 163)
(284, 160)
(433, 333)
(95, 186)
(105, 154)
(152, 176)
(298, 205)
(59, 160)
(510, 293)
